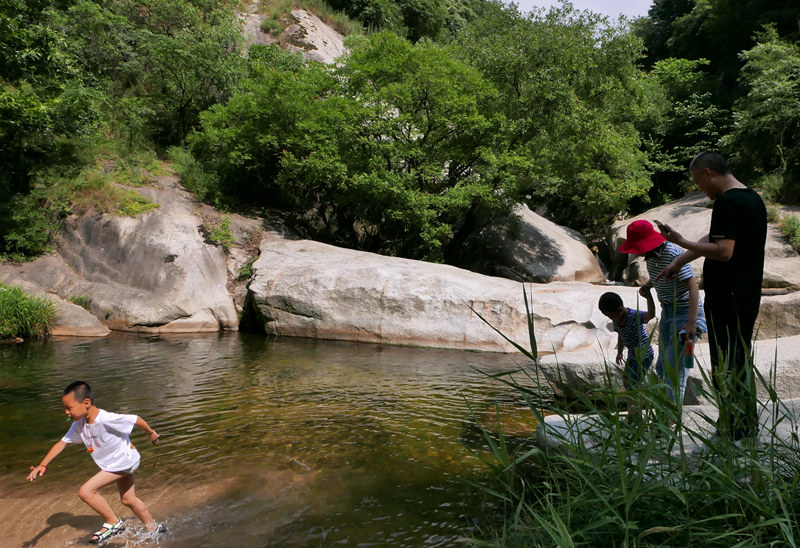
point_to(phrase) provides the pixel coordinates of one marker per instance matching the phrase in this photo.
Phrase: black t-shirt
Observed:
(739, 214)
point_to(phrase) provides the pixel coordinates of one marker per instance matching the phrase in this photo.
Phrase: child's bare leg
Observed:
(89, 495)
(127, 494)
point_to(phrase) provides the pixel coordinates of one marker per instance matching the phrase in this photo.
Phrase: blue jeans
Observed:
(634, 370)
(672, 364)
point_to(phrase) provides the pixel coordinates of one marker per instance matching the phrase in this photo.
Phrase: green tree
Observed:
(687, 121)
(396, 151)
(571, 96)
(766, 130)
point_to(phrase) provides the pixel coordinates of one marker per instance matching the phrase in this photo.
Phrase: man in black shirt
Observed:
(732, 276)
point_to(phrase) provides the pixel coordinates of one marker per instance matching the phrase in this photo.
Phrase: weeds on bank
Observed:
(618, 482)
(275, 16)
(23, 315)
(98, 180)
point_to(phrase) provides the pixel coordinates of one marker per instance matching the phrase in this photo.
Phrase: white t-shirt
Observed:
(109, 437)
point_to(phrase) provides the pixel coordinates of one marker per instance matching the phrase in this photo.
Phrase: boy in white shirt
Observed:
(106, 437)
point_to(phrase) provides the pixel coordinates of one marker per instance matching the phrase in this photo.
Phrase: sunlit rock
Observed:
(310, 36)
(309, 289)
(150, 273)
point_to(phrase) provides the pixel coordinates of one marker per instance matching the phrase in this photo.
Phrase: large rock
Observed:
(309, 289)
(691, 216)
(541, 252)
(585, 369)
(150, 273)
(309, 35)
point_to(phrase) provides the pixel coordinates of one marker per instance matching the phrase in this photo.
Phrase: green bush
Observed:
(23, 315)
(221, 234)
(84, 301)
(790, 226)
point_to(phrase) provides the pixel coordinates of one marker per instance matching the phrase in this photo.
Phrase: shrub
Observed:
(221, 234)
(23, 315)
(790, 226)
(84, 301)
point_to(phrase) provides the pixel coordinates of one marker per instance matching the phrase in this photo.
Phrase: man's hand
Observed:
(620, 359)
(669, 273)
(669, 233)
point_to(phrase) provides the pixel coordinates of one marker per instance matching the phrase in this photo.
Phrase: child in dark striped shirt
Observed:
(631, 334)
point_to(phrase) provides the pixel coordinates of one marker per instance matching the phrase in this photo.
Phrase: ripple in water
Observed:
(264, 442)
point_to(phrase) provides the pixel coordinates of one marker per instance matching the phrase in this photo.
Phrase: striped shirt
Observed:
(674, 292)
(633, 333)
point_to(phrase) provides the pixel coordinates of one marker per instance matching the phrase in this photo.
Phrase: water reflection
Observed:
(283, 442)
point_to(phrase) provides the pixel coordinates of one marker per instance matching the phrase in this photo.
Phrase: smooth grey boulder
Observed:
(587, 369)
(308, 289)
(691, 216)
(540, 251)
(150, 273)
(310, 36)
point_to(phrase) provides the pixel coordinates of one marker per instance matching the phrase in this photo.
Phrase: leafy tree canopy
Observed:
(571, 95)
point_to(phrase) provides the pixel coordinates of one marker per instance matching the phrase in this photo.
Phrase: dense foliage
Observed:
(743, 55)
(413, 19)
(429, 129)
(74, 73)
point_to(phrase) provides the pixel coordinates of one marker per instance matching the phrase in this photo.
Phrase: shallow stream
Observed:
(265, 442)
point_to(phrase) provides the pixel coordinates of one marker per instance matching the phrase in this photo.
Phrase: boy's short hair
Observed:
(80, 391)
(610, 302)
(711, 160)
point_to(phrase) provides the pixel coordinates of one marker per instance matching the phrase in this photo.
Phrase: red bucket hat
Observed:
(642, 237)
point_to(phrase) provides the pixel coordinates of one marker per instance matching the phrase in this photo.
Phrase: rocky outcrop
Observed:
(777, 360)
(539, 251)
(566, 431)
(309, 289)
(150, 273)
(691, 216)
(309, 35)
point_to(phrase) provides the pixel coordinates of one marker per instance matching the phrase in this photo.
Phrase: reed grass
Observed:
(612, 482)
(23, 315)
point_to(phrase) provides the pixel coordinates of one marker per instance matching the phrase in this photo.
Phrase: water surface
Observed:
(265, 442)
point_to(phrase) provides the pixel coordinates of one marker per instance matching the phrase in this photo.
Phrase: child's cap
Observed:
(642, 237)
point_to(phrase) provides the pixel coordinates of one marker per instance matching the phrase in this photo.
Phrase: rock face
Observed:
(543, 252)
(151, 273)
(310, 36)
(691, 216)
(309, 289)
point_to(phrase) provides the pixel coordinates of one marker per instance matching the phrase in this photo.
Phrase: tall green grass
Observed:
(611, 482)
(23, 315)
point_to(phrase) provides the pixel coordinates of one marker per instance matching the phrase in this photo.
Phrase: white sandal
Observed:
(107, 531)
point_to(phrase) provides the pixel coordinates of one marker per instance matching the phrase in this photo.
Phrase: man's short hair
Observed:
(80, 391)
(610, 302)
(711, 160)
